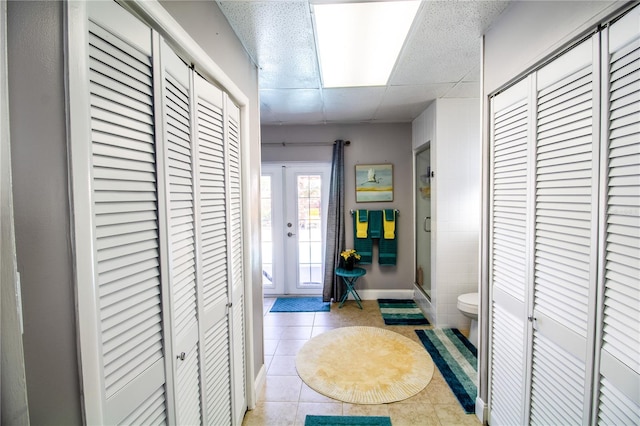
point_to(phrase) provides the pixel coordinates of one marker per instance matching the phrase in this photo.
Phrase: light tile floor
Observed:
(286, 400)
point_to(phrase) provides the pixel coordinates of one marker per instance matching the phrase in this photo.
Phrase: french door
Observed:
(294, 210)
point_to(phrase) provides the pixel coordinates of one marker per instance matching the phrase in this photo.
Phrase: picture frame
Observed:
(374, 183)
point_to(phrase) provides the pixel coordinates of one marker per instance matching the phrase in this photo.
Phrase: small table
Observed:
(350, 277)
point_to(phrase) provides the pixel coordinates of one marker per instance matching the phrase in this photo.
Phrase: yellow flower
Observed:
(349, 254)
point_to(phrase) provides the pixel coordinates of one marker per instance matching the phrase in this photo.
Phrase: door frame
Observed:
(279, 189)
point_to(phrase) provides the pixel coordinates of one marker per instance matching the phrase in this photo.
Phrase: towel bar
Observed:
(352, 211)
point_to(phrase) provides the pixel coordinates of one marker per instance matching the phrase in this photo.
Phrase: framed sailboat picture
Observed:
(374, 183)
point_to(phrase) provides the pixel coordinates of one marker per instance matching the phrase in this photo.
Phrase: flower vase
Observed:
(349, 264)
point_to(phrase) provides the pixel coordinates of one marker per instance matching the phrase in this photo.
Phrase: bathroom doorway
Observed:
(294, 199)
(423, 175)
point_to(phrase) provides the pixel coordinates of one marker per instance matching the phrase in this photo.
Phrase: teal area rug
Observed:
(347, 420)
(456, 358)
(401, 312)
(300, 304)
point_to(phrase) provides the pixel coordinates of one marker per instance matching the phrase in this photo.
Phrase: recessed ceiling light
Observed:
(359, 43)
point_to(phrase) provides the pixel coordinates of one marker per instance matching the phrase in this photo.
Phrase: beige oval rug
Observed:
(364, 365)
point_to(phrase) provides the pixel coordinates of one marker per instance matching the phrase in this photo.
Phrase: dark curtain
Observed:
(333, 285)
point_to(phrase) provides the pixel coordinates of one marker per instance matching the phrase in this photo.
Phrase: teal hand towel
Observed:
(388, 252)
(375, 223)
(389, 214)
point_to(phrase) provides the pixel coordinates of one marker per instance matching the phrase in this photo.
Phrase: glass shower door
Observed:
(423, 220)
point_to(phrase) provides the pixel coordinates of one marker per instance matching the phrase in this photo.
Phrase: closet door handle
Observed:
(424, 224)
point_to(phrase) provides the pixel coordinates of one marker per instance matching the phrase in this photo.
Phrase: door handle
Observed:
(424, 224)
(290, 234)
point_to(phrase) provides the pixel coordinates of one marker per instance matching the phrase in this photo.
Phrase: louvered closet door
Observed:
(618, 401)
(213, 234)
(565, 239)
(236, 259)
(179, 172)
(510, 140)
(125, 217)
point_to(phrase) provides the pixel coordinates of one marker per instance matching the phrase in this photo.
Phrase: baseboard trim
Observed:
(481, 411)
(261, 379)
(385, 294)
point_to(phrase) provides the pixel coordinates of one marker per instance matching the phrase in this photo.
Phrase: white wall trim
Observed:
(261, 379)
(81, 228)
(481, 410)
(374, 294)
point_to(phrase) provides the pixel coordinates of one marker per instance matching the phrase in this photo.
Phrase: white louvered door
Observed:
(584, 290)
(213, 234)
(618, 400)
(125, 218)
(179, 172)
(565, 241)
(509, 281)
(161, 294)
(236, 251)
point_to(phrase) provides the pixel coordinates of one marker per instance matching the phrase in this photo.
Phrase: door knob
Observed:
(290, 234)
(182, 356)
(424, 225)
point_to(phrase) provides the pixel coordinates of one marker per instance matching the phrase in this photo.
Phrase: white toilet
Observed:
(468, 305)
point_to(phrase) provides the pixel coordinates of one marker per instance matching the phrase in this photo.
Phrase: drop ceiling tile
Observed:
(464, 90)
(291, 106)
(404, 103)
(444, 44)
(473, 75)
(352, 104)
(279, 36)
(441, 56)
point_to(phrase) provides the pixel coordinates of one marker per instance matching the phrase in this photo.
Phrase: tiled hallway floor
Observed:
(286, 400)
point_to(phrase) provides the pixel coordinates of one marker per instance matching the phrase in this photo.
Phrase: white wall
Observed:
(370, 144)
(452, 126)
(456, 198)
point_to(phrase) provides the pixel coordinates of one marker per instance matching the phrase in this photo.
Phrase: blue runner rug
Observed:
(401, 312)
(456, 358)
(347, 420)
(300, 304)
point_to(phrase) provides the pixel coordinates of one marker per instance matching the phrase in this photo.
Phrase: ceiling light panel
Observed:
(359, 43)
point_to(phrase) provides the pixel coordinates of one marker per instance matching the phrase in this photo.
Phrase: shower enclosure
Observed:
(423, 219)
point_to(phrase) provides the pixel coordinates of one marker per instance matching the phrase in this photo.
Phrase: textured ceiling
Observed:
(440, 58)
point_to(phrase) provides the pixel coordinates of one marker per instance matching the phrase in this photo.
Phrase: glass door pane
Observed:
(423, 221)
(267, 231)
(310, 236)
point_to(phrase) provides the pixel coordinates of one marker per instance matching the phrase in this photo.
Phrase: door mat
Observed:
(456, 358)
(347, 420)
(401, 312)
(300, 304)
